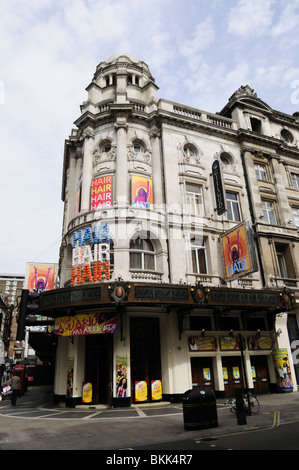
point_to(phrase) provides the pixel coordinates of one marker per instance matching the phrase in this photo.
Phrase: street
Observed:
(35, 423)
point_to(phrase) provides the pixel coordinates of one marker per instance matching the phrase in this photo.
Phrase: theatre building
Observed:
(179, 255)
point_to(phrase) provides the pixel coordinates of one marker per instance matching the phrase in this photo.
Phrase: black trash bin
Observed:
(199, 409)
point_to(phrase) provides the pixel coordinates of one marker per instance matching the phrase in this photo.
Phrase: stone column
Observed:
(157, 168)
(121, 193)
(284, 209)
(87, 171)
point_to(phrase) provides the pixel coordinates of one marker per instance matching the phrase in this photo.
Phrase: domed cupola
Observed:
(121, 79)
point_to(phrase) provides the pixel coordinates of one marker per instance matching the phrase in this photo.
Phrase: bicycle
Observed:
(252, 403)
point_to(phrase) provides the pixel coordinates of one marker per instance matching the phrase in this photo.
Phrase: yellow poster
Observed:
(87, 393)
(156, 390)
(141, 391)
(236, 372)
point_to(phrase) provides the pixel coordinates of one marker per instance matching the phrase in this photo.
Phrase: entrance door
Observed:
(145, 353)
(202, 372)
(260, 374)
(232, 375)
(98, 366)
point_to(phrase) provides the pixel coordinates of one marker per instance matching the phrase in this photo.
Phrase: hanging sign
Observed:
(238, 252)
(219, 187)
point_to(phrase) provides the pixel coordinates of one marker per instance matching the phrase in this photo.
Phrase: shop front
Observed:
(121, 343)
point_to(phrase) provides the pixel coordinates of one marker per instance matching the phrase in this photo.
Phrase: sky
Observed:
(199, 52)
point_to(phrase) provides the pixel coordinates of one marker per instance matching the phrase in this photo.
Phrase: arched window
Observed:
(138, 146)
(190, 150)
(286, 136)
(142, 254)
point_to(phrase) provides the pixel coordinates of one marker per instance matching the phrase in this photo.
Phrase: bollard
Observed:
(240, 408)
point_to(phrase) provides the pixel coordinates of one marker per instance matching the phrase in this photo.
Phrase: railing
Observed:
(219, 121)
(188, 112)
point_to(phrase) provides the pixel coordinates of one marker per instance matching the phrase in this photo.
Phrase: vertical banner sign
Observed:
(142, 192)
(282, 370)
(101, 192)
(2, 354)
(121, 376)
(219, 187)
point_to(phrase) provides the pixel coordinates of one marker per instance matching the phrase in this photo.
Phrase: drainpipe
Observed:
(165, 200)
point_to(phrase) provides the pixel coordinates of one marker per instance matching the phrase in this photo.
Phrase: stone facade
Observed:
(167, 232)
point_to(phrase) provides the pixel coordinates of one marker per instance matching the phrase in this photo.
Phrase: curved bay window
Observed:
(142, 254)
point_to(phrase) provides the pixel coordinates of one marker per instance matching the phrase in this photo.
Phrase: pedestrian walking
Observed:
(15, 386)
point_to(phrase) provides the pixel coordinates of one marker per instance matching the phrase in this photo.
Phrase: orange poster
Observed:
(238, 252)
(142, 192)
(40, 277)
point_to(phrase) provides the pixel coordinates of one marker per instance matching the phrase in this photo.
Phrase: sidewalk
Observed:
(37, 423)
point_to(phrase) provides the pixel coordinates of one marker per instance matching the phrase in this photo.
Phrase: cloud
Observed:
(203, 37)
(251, 19)
(288, 21)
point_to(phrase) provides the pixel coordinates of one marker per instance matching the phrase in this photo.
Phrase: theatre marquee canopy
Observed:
(68, 301)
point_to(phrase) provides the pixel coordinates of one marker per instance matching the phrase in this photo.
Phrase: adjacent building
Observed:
(11, 286)
(179, 258)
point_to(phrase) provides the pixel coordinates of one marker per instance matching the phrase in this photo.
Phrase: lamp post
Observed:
(240, 338)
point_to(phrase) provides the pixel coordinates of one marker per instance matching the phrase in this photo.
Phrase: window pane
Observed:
(194, 199)
(296, 216)
(233, 211)
(282, 264)
(135, 260)
(295, 180)
(147, 245)
(149, 262)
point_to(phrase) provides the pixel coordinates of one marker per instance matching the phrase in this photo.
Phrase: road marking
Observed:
(276, 419)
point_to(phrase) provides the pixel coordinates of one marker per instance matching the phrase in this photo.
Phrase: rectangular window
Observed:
(284, 260)
(194, 199)
(269, 212)
(233, 209)
(198, 253)
(261, 172)
(295, 180)
(295, 211)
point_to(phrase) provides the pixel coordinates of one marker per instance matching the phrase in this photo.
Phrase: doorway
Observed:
(202, 372)
(98, 366)
(145, 353)
(260, 374)
(232, 375)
